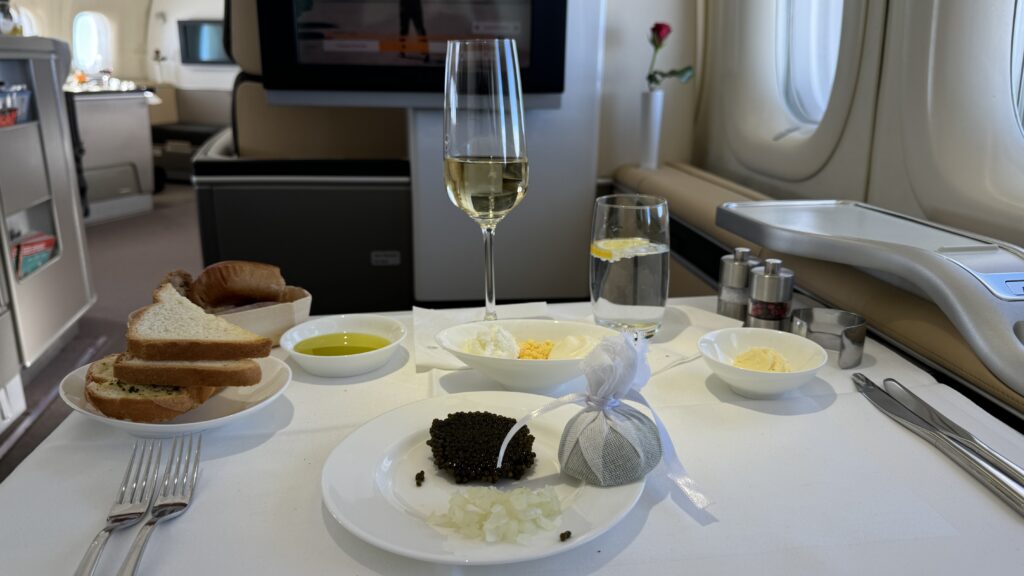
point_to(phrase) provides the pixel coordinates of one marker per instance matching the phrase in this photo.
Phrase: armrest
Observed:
(913, 323)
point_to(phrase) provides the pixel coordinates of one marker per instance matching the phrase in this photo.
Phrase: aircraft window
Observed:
(90, 42)
(1017, 61)
(809, 49)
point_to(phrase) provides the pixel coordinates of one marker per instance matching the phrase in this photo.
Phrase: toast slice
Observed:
(173, 328)
(217, 373)
(138, 403)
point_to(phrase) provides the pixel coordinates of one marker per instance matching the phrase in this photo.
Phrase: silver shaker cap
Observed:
(771, 282)
(734, 270)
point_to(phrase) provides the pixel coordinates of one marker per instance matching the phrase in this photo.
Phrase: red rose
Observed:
(659, 32)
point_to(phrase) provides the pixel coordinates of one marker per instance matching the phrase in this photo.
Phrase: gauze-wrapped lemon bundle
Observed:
(609, 442)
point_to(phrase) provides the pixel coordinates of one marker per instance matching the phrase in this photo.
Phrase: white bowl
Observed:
(722, 346)
(342, 366)
(522, 375)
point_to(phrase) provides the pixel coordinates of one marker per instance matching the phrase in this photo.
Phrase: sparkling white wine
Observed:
(486, 188)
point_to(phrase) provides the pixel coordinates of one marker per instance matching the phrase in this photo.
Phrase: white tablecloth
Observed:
(819, 482)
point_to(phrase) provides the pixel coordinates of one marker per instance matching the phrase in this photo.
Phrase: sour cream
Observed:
(494, 341)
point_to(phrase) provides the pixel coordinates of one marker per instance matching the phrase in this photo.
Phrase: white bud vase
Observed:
(651, 105)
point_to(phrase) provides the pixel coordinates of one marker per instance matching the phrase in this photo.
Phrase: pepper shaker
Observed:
(771, 294)
(734, 283)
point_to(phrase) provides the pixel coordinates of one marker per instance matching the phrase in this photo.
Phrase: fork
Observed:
(676, 362)
(132, 499)
(173, 499)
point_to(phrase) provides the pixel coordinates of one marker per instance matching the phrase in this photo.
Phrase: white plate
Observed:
(369, 487)
(222, 408)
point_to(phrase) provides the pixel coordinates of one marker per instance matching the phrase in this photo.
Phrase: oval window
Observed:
(1017, 62)
(90, 42)
(809, 32)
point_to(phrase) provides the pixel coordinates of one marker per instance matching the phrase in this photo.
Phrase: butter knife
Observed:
(1007, 490)
(951, 429)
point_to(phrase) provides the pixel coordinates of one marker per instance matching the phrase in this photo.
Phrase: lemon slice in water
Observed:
(612, 249)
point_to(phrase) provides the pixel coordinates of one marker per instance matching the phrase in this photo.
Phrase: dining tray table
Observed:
(817, 482)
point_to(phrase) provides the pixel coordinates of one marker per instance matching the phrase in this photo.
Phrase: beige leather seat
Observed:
(263, 131)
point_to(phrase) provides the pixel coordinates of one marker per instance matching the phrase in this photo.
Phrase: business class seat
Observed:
(912, 323)
(322, 192)
(182, 122)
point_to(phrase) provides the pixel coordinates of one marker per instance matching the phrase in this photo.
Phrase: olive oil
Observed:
(341, 344)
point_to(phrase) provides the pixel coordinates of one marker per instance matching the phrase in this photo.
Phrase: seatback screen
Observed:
(403, 32)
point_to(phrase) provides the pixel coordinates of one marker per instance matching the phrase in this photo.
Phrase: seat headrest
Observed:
(242, 35)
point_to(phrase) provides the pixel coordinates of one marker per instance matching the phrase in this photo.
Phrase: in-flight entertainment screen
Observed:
(403, 32)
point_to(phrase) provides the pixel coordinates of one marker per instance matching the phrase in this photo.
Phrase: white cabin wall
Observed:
(127, 19)
(163, 35)
(627, 54)
(49, 15)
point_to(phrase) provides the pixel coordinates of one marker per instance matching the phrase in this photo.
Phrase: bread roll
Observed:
(236, 283)
(180, 280)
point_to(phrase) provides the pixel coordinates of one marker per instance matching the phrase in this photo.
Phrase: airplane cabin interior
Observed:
(751, 274)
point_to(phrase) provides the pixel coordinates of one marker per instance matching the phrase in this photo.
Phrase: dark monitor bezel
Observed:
(282, 70)
(181, 45)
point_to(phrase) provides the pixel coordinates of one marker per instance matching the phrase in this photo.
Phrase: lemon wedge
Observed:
(612, 249)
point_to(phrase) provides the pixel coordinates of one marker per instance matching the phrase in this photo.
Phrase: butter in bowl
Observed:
(760, 363)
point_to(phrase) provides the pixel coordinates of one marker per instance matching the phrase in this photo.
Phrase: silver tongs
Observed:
(1004, 478)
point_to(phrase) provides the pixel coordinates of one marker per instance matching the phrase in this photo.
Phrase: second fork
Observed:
(174, 494)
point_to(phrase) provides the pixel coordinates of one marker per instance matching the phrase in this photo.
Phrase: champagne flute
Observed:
(485, 166)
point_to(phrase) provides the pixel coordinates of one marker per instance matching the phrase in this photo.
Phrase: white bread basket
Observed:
(272, 319)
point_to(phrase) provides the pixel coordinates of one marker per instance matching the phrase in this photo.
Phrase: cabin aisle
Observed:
(127, 258)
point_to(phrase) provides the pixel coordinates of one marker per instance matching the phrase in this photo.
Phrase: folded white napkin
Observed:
(428, 322)
(680, 330)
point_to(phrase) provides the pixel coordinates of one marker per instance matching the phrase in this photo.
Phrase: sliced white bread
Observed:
(138, 403)
(173, 328)
(218, 373)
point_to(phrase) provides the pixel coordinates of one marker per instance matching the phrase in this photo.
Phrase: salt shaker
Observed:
(734, 283)
(771, 293)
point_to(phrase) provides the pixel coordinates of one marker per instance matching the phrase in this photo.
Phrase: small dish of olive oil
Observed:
(341, 344)
(347, 345)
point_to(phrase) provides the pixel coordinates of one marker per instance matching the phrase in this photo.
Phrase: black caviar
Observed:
(467, 444)
(565, 536)
(420, 477)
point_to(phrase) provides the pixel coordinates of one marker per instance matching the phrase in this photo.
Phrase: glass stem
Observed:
(490, 310)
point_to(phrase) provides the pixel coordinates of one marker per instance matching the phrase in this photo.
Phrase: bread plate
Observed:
(227, 406)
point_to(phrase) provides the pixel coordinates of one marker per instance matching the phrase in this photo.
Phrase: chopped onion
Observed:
(493, 515)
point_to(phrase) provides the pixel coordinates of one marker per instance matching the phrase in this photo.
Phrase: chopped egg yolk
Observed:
(535, 350)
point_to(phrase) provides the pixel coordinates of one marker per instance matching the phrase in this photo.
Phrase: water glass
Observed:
(629, 253)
